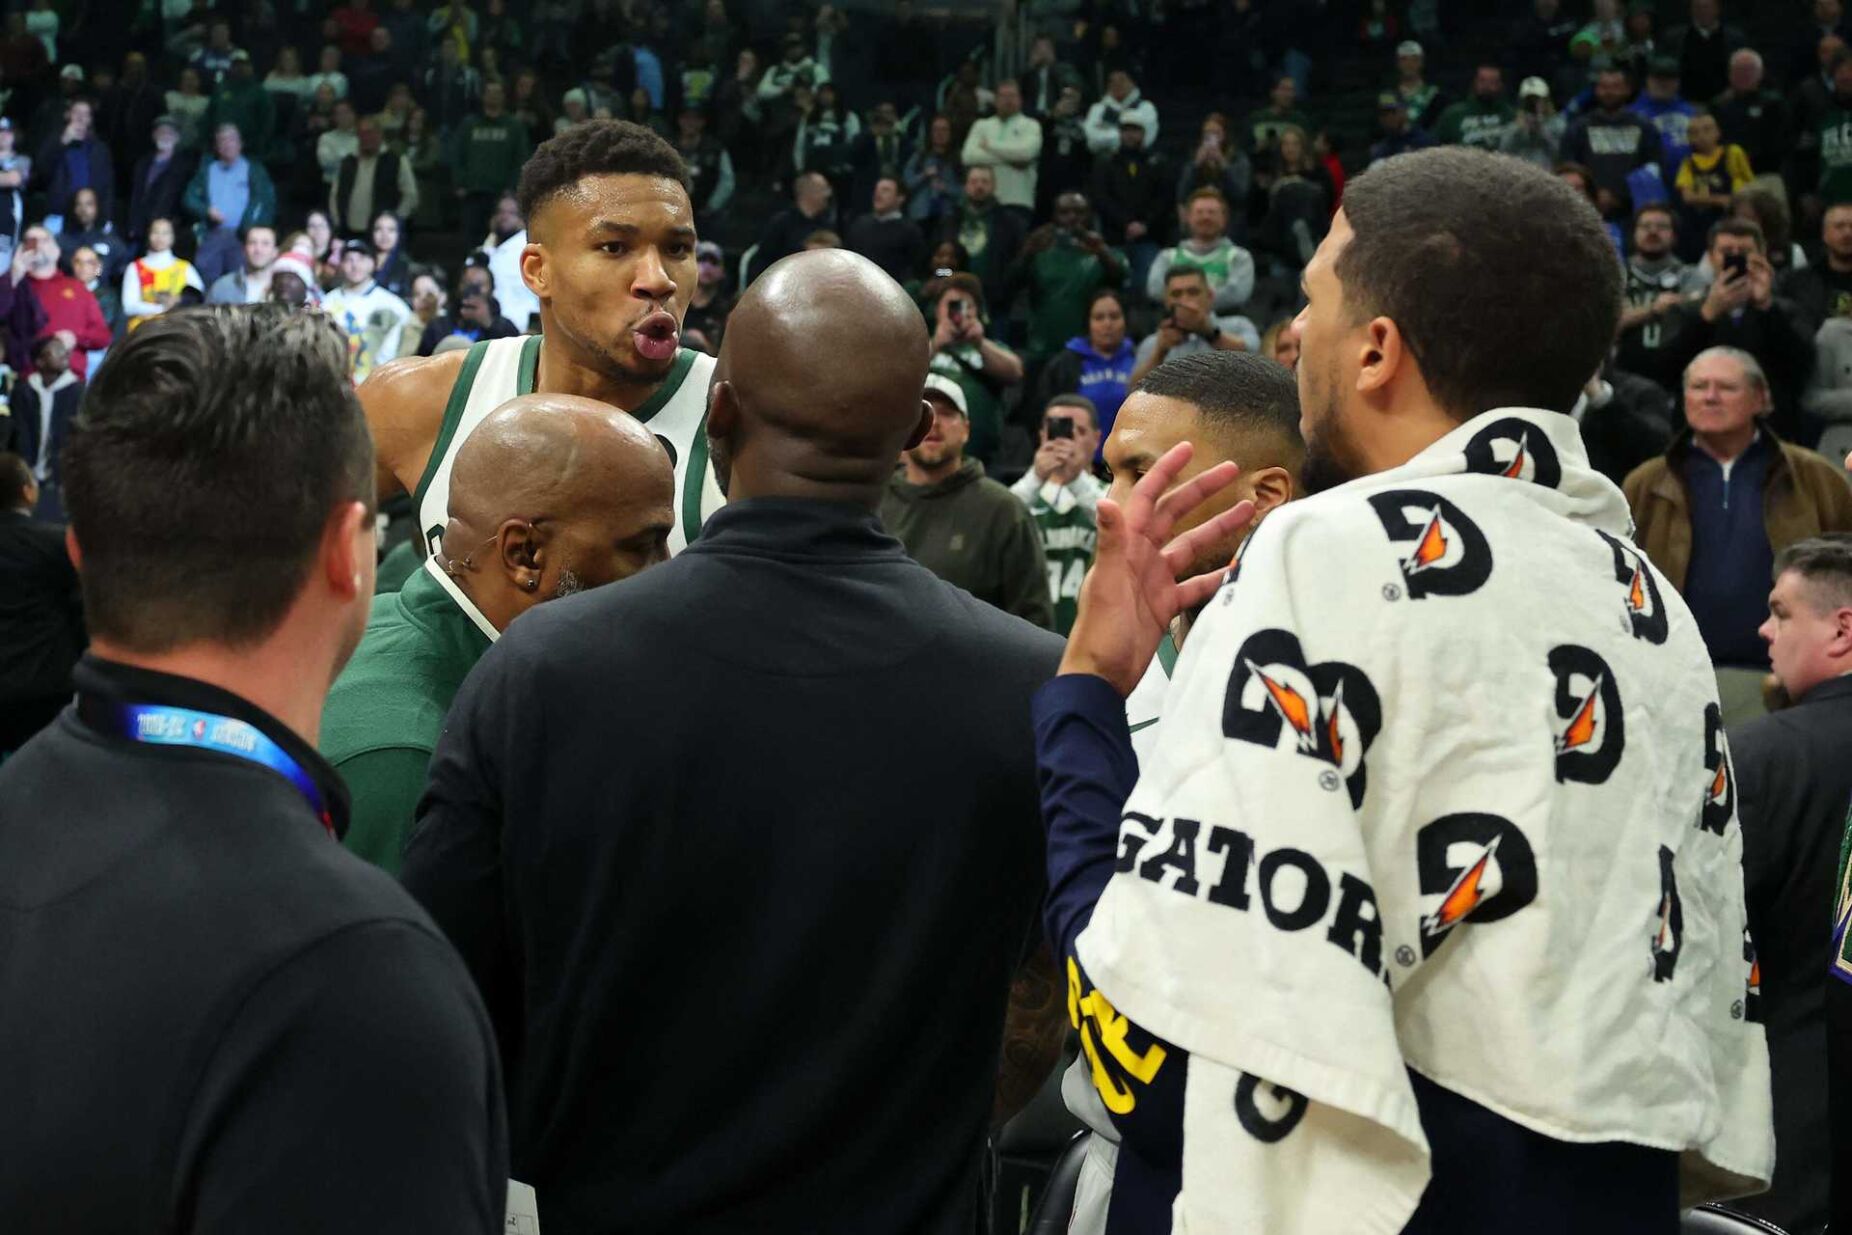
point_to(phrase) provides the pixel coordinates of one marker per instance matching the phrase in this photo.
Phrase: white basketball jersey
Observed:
(497, 370)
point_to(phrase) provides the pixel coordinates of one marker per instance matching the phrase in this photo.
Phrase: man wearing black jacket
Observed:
(217, 1018)
(159, 180)
(41, 617)
(1793, 782)
(787, 759)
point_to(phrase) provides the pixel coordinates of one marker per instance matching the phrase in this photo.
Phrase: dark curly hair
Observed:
(596, 148)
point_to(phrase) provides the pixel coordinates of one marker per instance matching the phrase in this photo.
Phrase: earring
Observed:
(533, 583)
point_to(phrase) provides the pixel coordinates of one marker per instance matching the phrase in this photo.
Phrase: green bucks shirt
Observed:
(1836, 156)
(1842, 912)
(1068, 533)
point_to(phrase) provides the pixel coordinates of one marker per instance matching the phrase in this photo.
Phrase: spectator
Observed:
(452, 88)
(1742, 311)
(160, 180)
(371, 181)
(960, 524)
(1263, 124)
(44, 406)
(84, 226)
(1010, 144)
(251, 283)
(87, 269)
(1611, 142)
(1824, 291)
(1828, 20)
(1096, 364)
(980, 366)
(15, 175)
(478, 315)
(1398, 135)
(228, 193)
(394, 264)
(240, 100)
(1729, 495)
(1540, 45)
(1420, 96)
(642, 109)
(1751, 115)
(1218, 164)
(1060, 266)
(1067, 160)
(352, 24)
(1767, 208)
(153, 282)
(187, 104)
(1536, 132)
(1121, 105)
(372, 318)
(1227, 266)
(429, 301)
(45, 301)
(286, 79)
(1280, 343)
(810, 211)
(1792, 784)
(1482, 120)
(328, 73)
(371, 74)
(1708, 178)
(1657, 283)
(395, 119)
(490, 148)
(826, 132)
(321, 252)
(705, 322)
(340, 142)
(990, 235)
(1060, 493)
(880, 150)
(1190, 325)
(1300, 197)
(292, 282)
(76, 159)
(1670, 114)
(1045, 78)
(1131, 190)
(962, 98)
(886, 236)
(1703, 49)
(710, 167)
(41, 612)
(22, 54)
(55, 109)
(574, 107)
(613, 489)
(1831, 136)
(774, 92)
(504, 244)
(931, 177)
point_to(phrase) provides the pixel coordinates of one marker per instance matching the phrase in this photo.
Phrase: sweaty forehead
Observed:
(627, 199)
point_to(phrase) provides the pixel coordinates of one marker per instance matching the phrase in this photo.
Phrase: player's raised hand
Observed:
(1132, 593)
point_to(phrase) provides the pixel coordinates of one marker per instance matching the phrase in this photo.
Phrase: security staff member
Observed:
(213, 1017)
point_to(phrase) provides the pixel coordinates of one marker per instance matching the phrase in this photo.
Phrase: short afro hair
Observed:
(595, 148)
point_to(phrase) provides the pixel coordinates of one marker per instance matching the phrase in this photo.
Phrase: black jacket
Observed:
(1135, 185)
(28, 419)
(785, 234)
(895, 245)
(1793, 783)
(159, 199)
(1634, 425)
(745, 887)
(41, 616)
(219, 1018)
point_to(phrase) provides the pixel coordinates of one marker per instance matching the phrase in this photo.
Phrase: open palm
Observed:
(1132, 594)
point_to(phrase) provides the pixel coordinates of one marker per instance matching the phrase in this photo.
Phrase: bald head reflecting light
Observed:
(551, 494)
(818, 386)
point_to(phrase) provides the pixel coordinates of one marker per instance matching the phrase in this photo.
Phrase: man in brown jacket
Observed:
(1726, 498)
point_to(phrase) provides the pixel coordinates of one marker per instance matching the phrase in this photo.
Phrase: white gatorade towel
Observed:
(1440, 784)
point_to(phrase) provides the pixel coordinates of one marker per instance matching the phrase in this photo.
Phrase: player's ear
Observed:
(723, 410)
(1381, 356)
(921, 429)
(520, 548)
(1269, 487)
(534, 270)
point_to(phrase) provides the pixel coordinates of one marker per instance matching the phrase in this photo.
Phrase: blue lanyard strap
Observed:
(225, 735)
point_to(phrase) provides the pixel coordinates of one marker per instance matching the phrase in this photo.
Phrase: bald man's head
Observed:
(818, 386)
(550, 495)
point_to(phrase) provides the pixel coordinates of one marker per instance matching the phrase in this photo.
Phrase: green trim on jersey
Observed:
(1167, 655)
(695, 482)
(684, 361)
(530, 366)
(453, 415)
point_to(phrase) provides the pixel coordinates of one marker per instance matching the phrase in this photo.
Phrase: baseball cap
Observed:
(1408, 47)
(1389, 100)
(359, 244)
(1534, 88)
(1662, 66)
(74, 72)
(940, 384)
(707, 249)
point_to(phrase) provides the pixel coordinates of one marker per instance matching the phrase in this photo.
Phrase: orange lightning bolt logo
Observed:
(1515, 470)
(1581, 729)
(1332, 737)
(1466, 895)
(1663, 941)
(1291, 705)
(1720, 784)
(1431, 548)
(1636, 591)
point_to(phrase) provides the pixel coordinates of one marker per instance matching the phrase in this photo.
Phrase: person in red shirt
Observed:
(37, 300)
(353, 24)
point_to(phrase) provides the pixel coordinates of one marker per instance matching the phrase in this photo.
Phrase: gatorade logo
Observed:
(1591, 731)
(1471, 867)
(1669, 923)
(1640, 605)
(1719, 780)
(1328, 711)
(1517, 450)
(1440, 551)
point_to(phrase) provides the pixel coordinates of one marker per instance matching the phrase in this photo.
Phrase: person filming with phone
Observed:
(1189, 326)
(1741, 310)
(981, 367)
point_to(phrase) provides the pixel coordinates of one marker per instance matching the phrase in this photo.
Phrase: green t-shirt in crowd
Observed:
(1842, 910)
(1475, 122)
(1068, 533)
(1062, 278)
(489, 154)
(964, 364)
(1836, 156)
(386, 710)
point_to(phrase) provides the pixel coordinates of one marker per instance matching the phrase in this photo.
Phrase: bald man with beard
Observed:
(553, 494)
(743, 852)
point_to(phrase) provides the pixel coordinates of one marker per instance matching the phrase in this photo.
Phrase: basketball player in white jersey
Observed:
(611, 256)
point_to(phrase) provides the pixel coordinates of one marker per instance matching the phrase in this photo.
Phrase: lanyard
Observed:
(168, 726)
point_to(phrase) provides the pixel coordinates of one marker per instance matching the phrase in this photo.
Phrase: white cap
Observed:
(1534, 88)
(954, 394)
(1408, 47)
